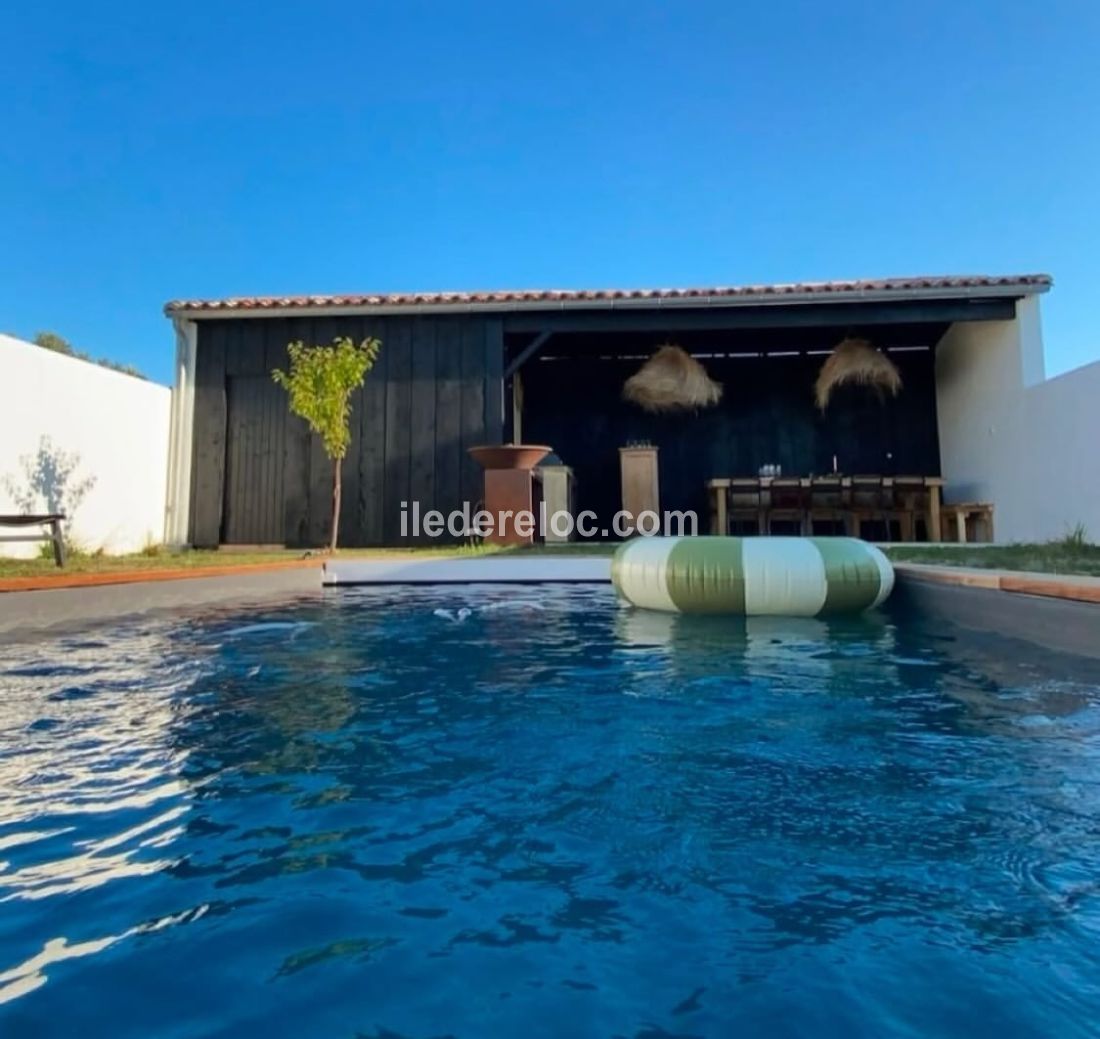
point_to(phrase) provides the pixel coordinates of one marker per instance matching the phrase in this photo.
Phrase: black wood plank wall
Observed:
(259, 476)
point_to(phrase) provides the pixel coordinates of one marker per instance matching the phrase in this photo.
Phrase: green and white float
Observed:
(761, 576)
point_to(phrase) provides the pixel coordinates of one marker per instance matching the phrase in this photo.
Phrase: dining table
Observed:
(719, 487)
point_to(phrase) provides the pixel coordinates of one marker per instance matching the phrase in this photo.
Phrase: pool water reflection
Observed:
(414, 813)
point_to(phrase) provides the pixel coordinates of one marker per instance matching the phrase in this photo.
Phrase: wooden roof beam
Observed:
(527, 353)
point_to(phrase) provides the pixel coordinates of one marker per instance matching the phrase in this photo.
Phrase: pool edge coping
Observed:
(1074, 588)
(1069, 587)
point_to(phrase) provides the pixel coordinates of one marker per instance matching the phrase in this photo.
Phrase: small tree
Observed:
(320, 384)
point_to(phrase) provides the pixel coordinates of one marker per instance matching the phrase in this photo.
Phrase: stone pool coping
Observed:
(29, 615)
(1053, 609)
(1019, 582)
(535, 569)
(87, 600)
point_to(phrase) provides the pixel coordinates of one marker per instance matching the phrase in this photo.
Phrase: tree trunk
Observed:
(336, 463)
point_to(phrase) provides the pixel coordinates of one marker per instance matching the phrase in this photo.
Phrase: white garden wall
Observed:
(113, 426)
(1031, 446)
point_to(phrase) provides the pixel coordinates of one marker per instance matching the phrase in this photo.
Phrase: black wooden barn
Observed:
(458, 370)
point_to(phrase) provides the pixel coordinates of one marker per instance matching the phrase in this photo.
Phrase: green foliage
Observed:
(52, 341)
(1077, 537)
(126, 369)
(320, 383)
(74, 549)
(60, 345)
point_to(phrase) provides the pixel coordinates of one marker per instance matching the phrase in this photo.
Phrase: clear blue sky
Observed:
(149, 151)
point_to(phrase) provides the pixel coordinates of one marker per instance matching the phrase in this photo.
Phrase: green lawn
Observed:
(1069, 556)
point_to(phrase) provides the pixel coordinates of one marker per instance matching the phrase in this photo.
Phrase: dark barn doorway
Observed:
(572, 400)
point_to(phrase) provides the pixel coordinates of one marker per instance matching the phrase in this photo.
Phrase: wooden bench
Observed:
(52, 520)
(956, 518)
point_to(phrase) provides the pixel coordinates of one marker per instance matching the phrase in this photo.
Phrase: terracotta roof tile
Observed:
(719, 295)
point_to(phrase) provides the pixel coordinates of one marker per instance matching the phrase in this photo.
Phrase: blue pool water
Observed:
(381, 816)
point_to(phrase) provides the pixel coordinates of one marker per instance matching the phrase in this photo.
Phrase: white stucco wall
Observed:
(1028, 445)
(116, 424)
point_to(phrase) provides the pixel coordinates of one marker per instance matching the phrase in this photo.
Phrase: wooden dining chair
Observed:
(788, 503)
(828, 504)
(908, 502)
(745, 507)
(870, 503)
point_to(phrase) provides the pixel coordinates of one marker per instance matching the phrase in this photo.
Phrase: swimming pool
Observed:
(492, 813)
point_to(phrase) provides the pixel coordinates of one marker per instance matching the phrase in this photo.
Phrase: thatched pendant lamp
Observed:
(856, 361)
(672, 380)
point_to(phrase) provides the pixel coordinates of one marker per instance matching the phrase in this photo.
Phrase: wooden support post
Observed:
(721, 522)
(517, 408)
(934, 531)
(58, 542)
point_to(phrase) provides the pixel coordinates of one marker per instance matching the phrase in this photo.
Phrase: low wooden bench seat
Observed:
(960, 517)
(52, 520)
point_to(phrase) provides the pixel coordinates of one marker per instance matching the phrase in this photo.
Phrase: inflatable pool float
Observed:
(761, 576)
